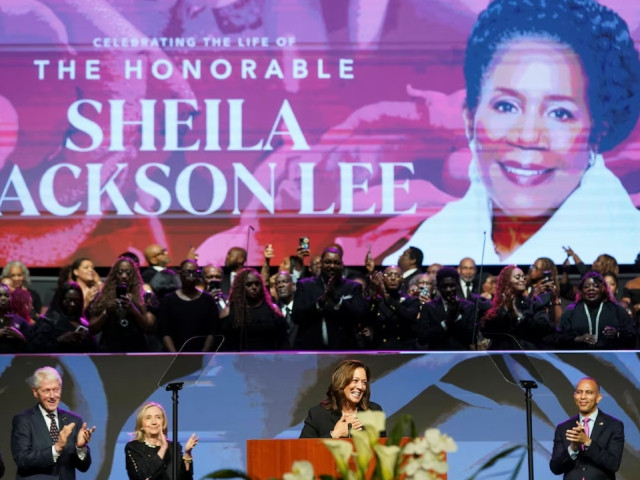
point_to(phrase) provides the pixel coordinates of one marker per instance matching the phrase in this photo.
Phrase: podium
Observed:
(273, 458)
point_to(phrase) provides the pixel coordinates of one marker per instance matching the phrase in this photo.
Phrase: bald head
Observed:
(236, 256)
(156, 255)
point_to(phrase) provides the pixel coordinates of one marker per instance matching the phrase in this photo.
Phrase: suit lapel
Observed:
(62, 419)
(600, 425)
(39, 422)
(40, 425)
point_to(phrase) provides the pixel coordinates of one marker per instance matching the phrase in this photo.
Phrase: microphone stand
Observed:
(243, 330)
(528, 385)
(502, 364)
(476, 333)
(174, 388)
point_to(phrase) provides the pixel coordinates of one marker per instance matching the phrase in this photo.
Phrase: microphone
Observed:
(249, 230)
(349, 430)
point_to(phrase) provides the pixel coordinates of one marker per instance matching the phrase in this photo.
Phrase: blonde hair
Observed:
(138, 434)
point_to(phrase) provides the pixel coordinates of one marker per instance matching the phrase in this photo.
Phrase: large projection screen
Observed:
(211, 124)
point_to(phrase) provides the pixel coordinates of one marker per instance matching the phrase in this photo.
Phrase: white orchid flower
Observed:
(300, 470)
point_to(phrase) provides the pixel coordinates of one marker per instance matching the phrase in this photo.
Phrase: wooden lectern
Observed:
(273, 458)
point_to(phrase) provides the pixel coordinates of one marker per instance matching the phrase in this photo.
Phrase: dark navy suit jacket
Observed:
(341, 314)
(600, 461)
(31, 447)
(320, 421)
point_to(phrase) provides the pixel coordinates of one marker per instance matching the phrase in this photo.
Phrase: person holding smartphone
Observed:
(542, 278)
(119, 311)
(13, 327)
(212, 283)
(63, 329)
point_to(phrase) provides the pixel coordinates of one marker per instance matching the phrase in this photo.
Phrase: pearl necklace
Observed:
(354, 413)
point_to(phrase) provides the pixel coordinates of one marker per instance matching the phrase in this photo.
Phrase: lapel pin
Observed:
(601, 423)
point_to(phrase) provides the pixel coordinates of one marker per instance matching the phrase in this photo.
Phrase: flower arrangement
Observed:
(422, 458)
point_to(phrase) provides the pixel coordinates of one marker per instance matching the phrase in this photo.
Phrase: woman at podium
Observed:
(348, 394)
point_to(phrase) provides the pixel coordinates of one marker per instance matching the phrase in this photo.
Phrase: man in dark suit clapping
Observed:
(589, 445)
(328, 307)
(46, 441)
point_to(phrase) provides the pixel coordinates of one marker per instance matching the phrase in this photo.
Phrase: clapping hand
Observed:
(84, 435)
(330, 289)
(369, 264)
(610, 332)
(63, 436)
(192, 442)
(453, 309)
(586, 338)
(577, 437)
(377, 283)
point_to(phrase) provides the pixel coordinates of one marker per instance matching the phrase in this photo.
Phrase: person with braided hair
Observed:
(514, 320)
(252, 322)
(119, 311)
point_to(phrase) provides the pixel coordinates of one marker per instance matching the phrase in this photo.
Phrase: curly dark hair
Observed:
(341, 377)
(597, 278)
(59, 294)
(108, 293)
(447, 272)
(595, 33)
(504, 295)
(237, 299)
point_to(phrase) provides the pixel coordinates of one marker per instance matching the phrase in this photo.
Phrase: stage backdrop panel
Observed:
(230, 398)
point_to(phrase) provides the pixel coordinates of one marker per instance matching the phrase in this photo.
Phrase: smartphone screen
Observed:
(121, 291)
